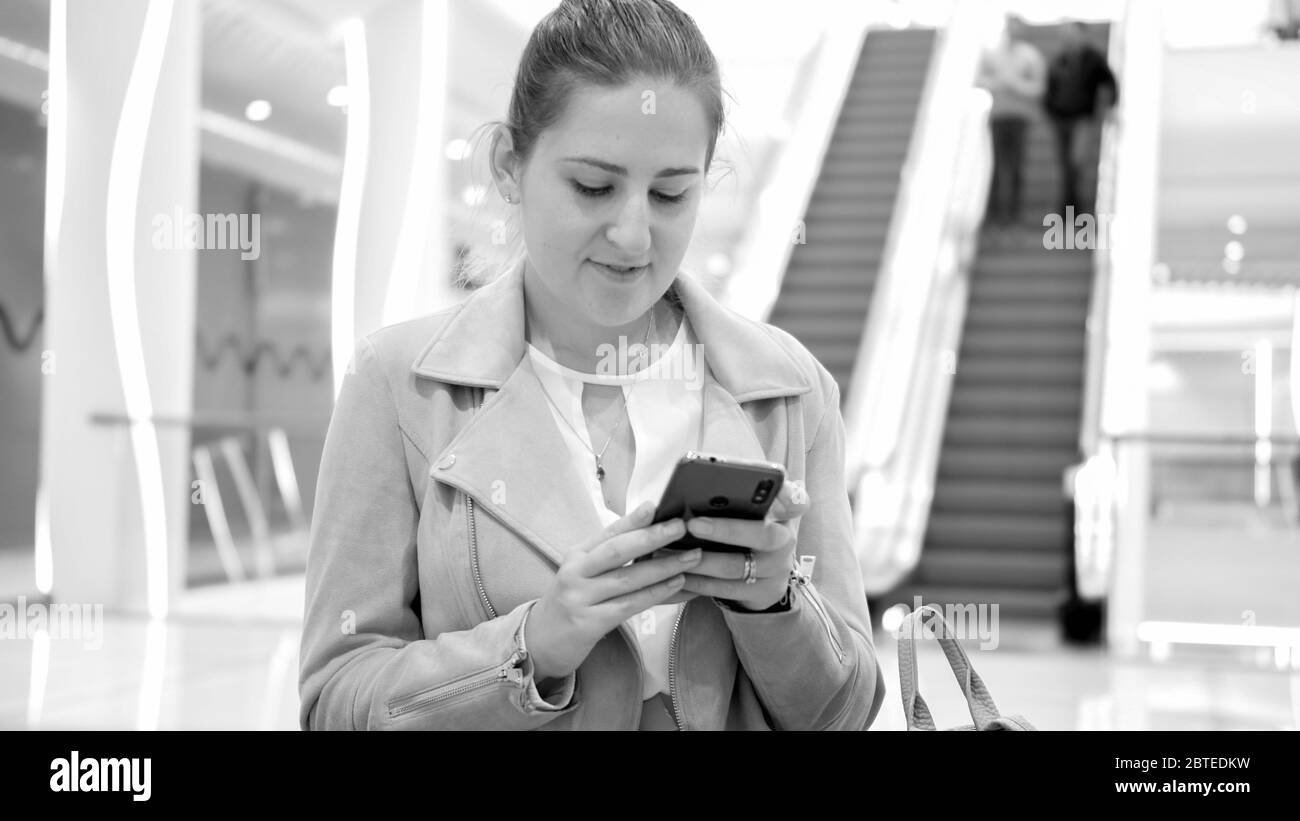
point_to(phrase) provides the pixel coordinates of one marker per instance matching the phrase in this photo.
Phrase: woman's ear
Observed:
(503, 163)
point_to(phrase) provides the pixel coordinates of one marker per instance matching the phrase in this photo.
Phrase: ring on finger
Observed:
(751, 574)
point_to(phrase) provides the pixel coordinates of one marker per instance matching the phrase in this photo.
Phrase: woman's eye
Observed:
(588, 191)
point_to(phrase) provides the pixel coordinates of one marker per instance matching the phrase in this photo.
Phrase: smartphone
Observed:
(705, 484)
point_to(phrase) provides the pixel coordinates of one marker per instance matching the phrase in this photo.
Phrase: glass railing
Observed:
(246, 514)
(1219, 562)
(1118, 333)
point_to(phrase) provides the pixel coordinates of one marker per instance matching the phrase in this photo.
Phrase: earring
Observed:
(510, 199)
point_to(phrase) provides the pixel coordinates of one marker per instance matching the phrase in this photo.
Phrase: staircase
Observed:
(827, 288)
(998, 530)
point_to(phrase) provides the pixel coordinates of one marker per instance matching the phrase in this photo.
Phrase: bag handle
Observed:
(982, 709)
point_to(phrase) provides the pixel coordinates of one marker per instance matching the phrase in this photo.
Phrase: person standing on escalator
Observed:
(1081, 91)
(1014, 74)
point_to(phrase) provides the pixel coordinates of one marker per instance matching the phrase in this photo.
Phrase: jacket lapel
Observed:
(510, 455)
(535, 492)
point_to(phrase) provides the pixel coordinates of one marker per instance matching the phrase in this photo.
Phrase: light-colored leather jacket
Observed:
(439, 523)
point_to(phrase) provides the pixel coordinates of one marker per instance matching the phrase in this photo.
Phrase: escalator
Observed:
(998, 530)
(827, 288)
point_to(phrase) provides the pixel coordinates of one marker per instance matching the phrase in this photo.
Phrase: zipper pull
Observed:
(513, 670)
(805, 570)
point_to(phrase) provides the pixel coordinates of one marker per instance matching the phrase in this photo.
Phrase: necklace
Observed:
(600, 468)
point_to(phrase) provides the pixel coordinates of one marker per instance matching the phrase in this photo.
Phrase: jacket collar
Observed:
(540, 497)
(483, 342)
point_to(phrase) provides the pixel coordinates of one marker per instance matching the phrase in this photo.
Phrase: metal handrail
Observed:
(1099, 300)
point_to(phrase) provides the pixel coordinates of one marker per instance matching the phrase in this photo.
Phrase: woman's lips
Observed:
(620, 272)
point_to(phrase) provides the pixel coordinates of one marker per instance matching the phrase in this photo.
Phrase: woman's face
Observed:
(617, 181)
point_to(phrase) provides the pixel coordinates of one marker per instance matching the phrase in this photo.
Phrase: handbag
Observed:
(983, 711)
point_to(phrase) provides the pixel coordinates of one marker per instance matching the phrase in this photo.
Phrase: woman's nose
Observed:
(630, 232)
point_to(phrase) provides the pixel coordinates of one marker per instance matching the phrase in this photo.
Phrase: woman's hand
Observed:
(772, 541)
(596, 590)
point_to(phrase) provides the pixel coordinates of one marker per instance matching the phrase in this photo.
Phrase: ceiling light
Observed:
(337, 96)
(1234, 251)
(1237, 224)
(258, 110)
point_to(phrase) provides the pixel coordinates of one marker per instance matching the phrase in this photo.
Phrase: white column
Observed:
(123, 147)
(394, 262)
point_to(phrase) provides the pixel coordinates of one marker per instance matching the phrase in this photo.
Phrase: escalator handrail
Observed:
(1103, 264)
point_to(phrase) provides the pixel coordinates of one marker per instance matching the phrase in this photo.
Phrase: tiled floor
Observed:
(203, 670)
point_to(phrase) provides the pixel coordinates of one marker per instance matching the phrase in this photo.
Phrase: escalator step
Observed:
(1031, 568)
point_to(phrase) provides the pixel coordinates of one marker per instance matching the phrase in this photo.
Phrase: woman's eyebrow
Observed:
(622, 172)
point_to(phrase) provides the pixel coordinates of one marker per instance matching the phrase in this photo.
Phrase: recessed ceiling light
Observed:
(1234, 251)
(258, 110)
(1231, 266)
(337, 96)
(1237, 224)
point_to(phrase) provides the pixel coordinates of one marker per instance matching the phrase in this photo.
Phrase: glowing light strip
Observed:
(1241, 635)
(25, 54)
(56, 168)
(149, 706)
(355, 155)
(123, 200)
(1295, 359)
(401, 301)
(40, 677)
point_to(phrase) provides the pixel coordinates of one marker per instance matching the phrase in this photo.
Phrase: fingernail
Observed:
(702, 527)
(690, 556)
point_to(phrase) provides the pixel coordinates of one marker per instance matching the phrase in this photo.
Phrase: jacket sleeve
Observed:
(814, 666)
(365, 662)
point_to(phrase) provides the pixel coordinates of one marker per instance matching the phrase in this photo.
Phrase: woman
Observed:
(471, 564)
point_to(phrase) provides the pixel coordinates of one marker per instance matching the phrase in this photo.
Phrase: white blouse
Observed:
(665, 412)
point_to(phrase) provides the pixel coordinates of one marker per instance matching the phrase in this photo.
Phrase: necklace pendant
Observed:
(600, 472)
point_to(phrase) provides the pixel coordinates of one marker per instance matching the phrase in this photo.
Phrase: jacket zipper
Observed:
(811, 595)
(509, 671)
(473, 541)
(672, 670)
(473, 557)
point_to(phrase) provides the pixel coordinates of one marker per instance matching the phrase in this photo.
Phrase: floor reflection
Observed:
(203, 669)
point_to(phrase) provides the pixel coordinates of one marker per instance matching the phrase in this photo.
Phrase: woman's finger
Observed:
(733, 590)
(622, 608)
(633, 520)
(758, 536)
(625, 547)
(731, 566)
(632, 577)
(791, 503)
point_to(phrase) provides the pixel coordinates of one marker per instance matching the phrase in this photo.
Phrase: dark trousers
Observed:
(1066, 129)
(1008, 159)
